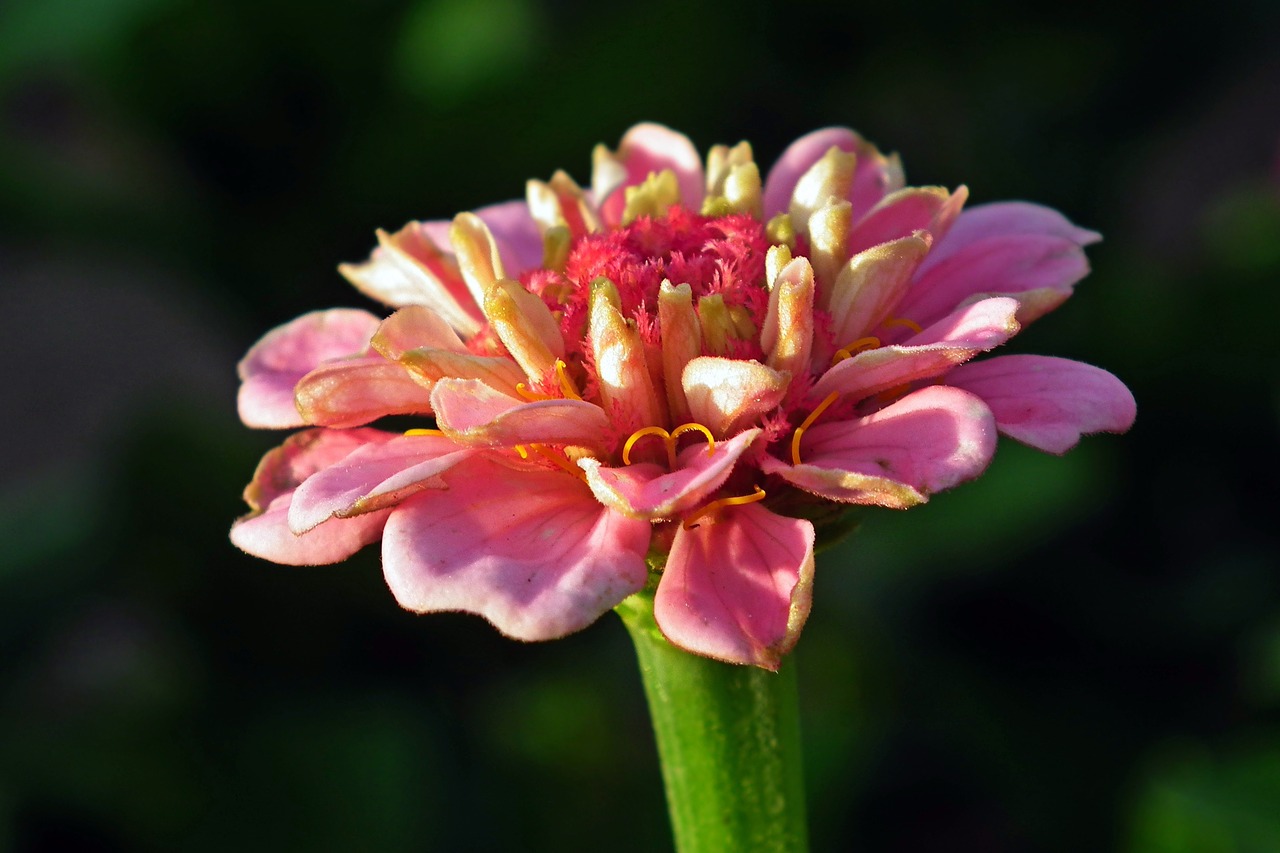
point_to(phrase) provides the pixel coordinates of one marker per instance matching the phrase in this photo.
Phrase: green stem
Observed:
(729, 743)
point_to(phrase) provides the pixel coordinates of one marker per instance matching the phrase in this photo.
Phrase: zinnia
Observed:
(683, 372)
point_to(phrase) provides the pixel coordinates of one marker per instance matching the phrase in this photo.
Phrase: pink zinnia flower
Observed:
(681, 371)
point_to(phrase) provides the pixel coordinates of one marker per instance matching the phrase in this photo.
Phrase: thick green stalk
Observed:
(729, 743)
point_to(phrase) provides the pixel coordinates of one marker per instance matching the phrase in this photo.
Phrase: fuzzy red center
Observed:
(714, 255)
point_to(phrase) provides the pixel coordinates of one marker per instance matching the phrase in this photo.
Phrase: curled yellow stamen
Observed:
(692, 427)
(636, 436)
(416, 432)
(892, 395)
(553, 456)
(903, 321)
(566, 387)
(566, 384)
(808, 422)
(669, 438)
(532, 396)
(869, 342)
(723, 502)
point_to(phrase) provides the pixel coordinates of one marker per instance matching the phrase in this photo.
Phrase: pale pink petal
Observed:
(1005, 219)
(267, 535)
(1046, 402)
(787, 335)
(984, 324)
(422, 341)
(517, 235)
(410, 268)
(533, 552)
(951, 341)
(725, 394)
(265, 531)
(438, 230)
(871, 284)
(738, 588)
(1016, 249)
(930, 440)
(475, 414)
(273, 366)
(498, 372)
(649, 148)
(906, 211)
(796, 160)
(651, 492)
(626, 386)
(875, 177)
(373, 477)
(302, 454)
(359, 391)
(415, 327)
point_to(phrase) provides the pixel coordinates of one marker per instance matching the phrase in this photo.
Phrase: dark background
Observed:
(1075, 654)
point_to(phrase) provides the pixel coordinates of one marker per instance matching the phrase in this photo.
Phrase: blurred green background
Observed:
(1075, 654)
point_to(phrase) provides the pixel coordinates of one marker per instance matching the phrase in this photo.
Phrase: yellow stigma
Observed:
(416, 432)
(808, 422)
(903, 321)
(554, 457)
(555, 247)
(566, 384)
(860, 345)
(892, 395)
(669, 438)
(780, 230)
(758, 495)
(531, 396)
(567, 387)
(658, 192)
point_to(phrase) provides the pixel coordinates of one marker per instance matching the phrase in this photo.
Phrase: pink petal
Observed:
(985, 324)
(273, 365)
(738, 588)
(267, 535)
(533, 552)
(875, 177)
(651, 492)
(475, 414)
(906, 211)
(373, 477)
(265, 532)
(422, 341)
(410, 268)
(648, 148)
(303, 454)
(787, 335)
(796, 160)
(415, 327)
(728, 395)
(1014, 248)
(498, 372)
(930, 440)
(950, 341)
(1005, 219)
(1046, 402)
(517, 235)
(872, 283)
(359, 391)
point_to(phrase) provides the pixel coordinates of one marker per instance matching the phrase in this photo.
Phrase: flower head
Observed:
(681, 374)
